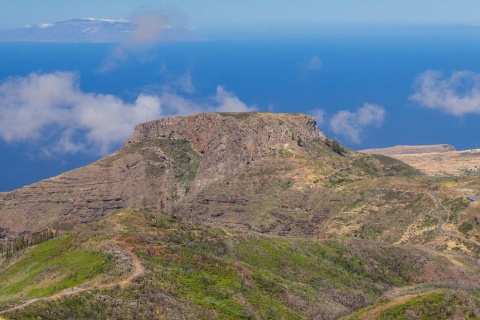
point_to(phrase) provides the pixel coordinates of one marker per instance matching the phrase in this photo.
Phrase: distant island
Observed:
(84, 30)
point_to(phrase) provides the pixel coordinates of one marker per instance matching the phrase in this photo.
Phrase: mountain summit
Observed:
(227, 169)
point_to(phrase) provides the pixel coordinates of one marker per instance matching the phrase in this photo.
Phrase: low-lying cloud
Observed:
(313, 65)
(319, 115)
(148, 28)
(352, 125)
(52, 107)
(458, 94)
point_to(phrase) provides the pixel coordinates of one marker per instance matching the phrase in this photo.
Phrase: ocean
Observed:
(333, 72)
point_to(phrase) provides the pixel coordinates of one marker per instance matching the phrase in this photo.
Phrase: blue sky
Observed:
(400, 85)
(251, 13)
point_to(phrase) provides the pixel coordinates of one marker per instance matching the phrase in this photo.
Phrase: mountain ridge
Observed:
(75, 30)
(435, 160)
(98, 189)
(238, 215)
(208, 167)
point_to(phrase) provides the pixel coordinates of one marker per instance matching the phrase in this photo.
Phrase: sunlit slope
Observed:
(197, 271)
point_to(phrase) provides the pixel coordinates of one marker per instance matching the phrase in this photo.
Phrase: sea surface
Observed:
(272, 74)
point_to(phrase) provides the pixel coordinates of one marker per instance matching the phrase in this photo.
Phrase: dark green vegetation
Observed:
(158, 155)
(8, 248)
(207, 273)
(335, 146)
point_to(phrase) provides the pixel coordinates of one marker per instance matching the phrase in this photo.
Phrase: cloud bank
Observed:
(458, 94)
(41, 107)
(352, 125)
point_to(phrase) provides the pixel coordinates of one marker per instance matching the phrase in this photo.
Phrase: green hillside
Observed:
(206, 273)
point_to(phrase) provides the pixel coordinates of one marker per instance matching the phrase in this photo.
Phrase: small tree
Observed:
(335, 146)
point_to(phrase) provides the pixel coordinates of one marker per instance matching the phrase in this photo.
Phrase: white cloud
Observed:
(149, 28)
(319, 115)
(313, 65)
(38, 106)
(458, 94)
(352, 124)
(29, 104)
(225, 101)
(185, 83)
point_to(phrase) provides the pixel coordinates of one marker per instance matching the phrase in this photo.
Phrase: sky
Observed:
(362, 88)
(205, 14)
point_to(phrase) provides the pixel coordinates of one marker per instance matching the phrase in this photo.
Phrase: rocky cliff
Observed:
(228, 141)
(162, 162)
(270, 173)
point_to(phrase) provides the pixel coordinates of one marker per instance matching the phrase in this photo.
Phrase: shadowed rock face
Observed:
(161, 163)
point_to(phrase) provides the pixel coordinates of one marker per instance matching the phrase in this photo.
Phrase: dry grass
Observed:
(410, 149)
(453, 163)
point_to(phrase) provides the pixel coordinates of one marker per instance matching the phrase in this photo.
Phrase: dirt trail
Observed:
(137, 271)
(397, 296)
(414, 230)
(441, 222)
(375, 313)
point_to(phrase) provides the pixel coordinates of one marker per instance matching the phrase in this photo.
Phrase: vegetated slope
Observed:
(433, 304)
(299, 220)
(201, 272)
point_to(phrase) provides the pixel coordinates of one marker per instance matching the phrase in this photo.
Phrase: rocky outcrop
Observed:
(228, 141)
(161, 163)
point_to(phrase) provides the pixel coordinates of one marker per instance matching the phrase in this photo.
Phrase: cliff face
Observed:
(269, 173)
(161, 163)
(229, 141)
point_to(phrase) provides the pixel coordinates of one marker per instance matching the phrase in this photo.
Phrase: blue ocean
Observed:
(270, 73)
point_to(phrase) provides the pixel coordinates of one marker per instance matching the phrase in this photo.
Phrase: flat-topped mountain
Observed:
(213, 166)
(435, 160)
(411, 149)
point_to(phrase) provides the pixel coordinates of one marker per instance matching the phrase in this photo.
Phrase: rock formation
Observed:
(162, 161)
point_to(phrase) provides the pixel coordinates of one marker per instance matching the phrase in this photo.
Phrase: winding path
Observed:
(440, 223)
(137, 271)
